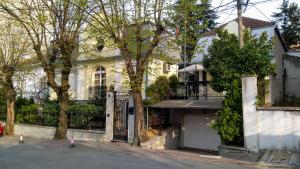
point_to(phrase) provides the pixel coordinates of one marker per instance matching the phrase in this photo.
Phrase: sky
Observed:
(262, 10)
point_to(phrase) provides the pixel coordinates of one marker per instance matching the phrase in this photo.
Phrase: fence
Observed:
(81, 115)
(195, 91)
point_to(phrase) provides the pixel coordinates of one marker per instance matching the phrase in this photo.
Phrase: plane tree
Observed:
(13, 51)
(136, 28)
(53, 27)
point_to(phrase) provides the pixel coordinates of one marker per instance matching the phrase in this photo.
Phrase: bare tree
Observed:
(53, 27)
(136, 28)
(12, 49)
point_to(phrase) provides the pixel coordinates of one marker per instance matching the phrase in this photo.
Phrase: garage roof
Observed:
(215, 103)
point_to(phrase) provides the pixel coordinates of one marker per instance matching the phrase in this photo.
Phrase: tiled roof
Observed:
(247, 22)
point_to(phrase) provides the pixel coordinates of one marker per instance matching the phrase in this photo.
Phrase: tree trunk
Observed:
(139, 118)
(10, 96)
(10, 119)
(61, 131)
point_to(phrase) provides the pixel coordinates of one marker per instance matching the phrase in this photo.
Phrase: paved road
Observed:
(55, 154)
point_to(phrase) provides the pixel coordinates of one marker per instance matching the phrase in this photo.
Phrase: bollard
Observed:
(72, 142)
(21, 141)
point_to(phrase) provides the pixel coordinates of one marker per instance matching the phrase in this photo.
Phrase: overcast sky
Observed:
(266, 8)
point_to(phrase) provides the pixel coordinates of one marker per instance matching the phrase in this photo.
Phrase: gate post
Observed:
(131, 118)
(109, 126)
(249, 94)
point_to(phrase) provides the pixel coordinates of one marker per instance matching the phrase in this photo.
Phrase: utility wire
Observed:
(262, 13)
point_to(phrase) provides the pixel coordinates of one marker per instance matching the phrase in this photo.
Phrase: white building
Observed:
(95, 71)
(257, 28)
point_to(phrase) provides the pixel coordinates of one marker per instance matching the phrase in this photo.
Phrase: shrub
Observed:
(230, 124)
(50, 113)
(2, 106)
(159, 90)
(23, 101)
(173, 83)
(28, 114)
(80, 114)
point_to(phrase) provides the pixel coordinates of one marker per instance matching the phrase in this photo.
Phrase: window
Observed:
(100, 76)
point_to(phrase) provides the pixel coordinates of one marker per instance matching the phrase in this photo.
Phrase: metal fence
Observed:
(195, 91)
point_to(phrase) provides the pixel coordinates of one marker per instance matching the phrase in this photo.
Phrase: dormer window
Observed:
(100, 44)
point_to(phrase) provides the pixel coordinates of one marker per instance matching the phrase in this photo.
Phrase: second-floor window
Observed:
(100, 76)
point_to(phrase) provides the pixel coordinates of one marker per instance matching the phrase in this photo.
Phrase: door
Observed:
(198, 133)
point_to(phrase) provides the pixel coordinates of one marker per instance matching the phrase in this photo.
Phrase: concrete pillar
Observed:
(249, 91)
(109, 116)
(131, 119)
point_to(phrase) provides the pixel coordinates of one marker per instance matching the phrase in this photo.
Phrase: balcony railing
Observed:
(195, 91)
(97, 92)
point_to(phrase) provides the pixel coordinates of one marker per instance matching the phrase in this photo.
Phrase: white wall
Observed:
(278, 128)
(268, 127)
(36, 131)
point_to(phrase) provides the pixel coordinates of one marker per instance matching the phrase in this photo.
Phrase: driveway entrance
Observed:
(198, 132)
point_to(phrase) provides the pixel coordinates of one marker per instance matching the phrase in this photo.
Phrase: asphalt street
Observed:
(56, 154)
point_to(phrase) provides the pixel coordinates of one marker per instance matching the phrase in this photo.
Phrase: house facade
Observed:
(95, 71)
(91, 77)
(257, 27)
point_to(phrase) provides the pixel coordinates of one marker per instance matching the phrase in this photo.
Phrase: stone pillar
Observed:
(109, 116)
(249, 91)
(131, 118)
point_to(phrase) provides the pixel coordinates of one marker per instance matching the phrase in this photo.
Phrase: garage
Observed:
(194, 118)
(198, 134)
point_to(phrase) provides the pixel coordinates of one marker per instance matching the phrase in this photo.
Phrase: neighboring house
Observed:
(197, 71)
(194, 113)
(291, 75)
(31, 84)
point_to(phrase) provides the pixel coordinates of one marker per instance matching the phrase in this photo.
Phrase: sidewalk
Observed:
(278, 158)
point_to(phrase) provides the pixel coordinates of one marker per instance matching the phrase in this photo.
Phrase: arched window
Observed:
(100, 76)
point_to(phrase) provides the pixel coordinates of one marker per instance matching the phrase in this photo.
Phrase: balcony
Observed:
(97, 92)
(192, 95)
(195, 91)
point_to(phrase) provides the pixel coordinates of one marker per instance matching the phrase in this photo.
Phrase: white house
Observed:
(257, 28)
(93, 72)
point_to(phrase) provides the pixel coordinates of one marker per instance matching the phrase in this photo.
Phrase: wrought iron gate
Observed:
(120, 131)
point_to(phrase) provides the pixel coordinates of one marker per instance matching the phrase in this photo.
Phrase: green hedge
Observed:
(80, 114)
(28, 114)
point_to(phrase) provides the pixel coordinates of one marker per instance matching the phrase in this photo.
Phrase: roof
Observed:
(210, 104)
(247, 22)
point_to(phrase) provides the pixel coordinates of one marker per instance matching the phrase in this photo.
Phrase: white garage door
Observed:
(198, 133)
